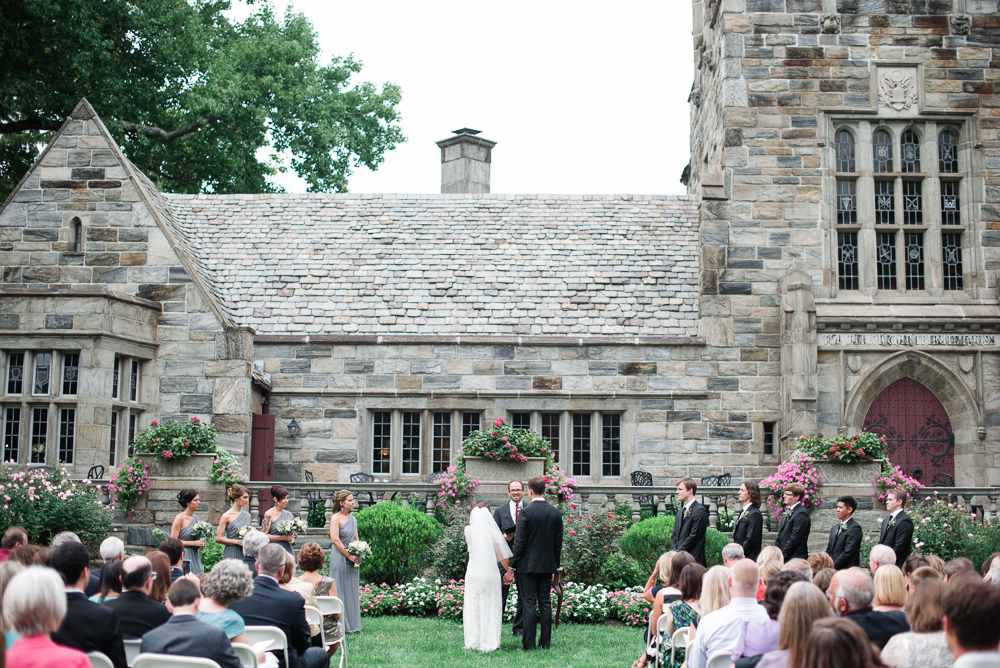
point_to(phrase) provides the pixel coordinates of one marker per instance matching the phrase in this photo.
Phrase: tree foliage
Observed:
(193, 97)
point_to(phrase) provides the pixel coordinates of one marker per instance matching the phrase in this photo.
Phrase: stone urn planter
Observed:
(836, 474)
(489, 471)
(194, 466)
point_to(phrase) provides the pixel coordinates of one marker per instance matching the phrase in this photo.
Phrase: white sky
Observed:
(581, 96)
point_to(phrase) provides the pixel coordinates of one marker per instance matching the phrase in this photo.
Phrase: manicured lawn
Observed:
(414, 642)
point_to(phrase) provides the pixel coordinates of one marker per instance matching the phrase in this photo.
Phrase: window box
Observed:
(489, 471)
(193, 466)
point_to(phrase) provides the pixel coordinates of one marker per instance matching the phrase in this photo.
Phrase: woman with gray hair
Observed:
(35, 605)
(252, 543)
(228, 582)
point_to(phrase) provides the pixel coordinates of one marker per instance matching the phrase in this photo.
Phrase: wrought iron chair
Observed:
(313, 497)
(96, 472)
(644, 479)
(363, 477)
(721, 480)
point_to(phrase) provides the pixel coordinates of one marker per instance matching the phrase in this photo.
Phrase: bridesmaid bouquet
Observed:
(243, 531)
(359, 548)
(202, 531)
(286, 527)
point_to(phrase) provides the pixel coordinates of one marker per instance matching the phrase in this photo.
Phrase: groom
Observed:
(537, 546)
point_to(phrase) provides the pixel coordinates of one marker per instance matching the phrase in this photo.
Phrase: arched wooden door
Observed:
(917, 432)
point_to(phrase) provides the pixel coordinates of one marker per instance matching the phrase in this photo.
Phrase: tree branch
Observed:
(163, 135)
(28, 124)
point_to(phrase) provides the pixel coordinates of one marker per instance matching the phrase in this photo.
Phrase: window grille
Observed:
(951, 247)
(950, 204)
(914, 261)
(882, 152)
(885, 205)
(847, 203)
(845, 151)
(913, 213)
(581, 444)
(381, 441)
(910, 152)
(847, 265)
(947, 153)
(886, 260)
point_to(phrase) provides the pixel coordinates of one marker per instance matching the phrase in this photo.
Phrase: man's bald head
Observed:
(744, 578)
(850, 589)
(136, 572)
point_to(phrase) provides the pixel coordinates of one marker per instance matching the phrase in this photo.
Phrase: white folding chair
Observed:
(132, 649)
(256, 634)
(99, 660)
(331, 605)
(314, 616)
(245, 654)
(149, 660)
(678, 640)
(721, 659)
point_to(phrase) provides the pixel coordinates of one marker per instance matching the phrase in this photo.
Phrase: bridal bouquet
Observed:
(359, 548)
(286, 527)
(202, 531)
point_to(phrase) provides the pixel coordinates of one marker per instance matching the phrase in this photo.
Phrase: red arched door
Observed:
(917, 432)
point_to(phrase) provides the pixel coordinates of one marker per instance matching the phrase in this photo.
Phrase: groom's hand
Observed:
(508, 578)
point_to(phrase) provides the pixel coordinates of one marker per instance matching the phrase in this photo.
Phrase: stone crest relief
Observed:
(897, 90)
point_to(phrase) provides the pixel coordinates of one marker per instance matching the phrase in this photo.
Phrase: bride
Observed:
(483, 607)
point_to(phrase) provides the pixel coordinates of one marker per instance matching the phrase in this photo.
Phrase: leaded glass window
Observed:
(910, 152)
(133, 429)
(411, 442)
(949, 204)
(885, 203)
(43, 373)
(550, 432)
(520, 420)
(847, 203)
(381, 441)
(882, 151)
(914, 260)
(885, 259)
(133, 394)
(845, 151)
(71, 373)
(581, 444)
(913, 206)
(15, 373)
(67, 434)
(39, 434)
(441, 442)
(611, 444)
(116, 417)
(951, 248)
(947, 153)
(470, 423)
(116, 377)
(847, 260)
(12, 435)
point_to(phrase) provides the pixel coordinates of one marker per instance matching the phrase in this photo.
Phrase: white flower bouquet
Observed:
(243, 531)
(286, 527)
(202, 531)
(359, 548)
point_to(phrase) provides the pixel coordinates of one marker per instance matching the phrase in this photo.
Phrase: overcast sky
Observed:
(580, 96)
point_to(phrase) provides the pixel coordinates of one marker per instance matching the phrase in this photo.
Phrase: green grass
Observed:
(414, 642)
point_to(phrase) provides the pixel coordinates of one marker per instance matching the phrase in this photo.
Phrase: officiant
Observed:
(506, 516)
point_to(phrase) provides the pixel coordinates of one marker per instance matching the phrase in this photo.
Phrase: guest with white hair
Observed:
(881, 555)
(799, 566)
(228, 582)
(731, 553)
(252, 543)
(8, 569)
(112, 549)
(34, 605)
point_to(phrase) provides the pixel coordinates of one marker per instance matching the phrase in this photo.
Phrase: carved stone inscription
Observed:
(897, 90)
(908, 340)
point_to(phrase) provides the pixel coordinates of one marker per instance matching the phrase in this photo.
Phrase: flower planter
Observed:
(858, 473)
(487, 470)
(194, 466)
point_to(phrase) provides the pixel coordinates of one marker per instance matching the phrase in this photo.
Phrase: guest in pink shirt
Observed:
(34, 605)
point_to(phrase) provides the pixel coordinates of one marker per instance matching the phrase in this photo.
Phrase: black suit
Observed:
(845, 546)
(506, 523)
(689, 532)
(793, 535)
(91, 627)
(137, 613)
(93, 583)
(879, 626)
(899, 536)
(537, 549)
(251, 563)
(269, 605)
(184, 635)
(749, 532)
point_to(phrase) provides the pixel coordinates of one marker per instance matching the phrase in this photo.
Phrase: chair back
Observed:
(679, 640)
(96, 472)
(314, 616)
(361, 476)
(99, 660)
(149, 660)
(721, 659)
(330, 605)
(256, 634)
(132, 650)
(246, 655)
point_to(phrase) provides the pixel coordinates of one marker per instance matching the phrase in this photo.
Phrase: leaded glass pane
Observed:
(611, 445)
(71, 373)
(581, 444)
(914, 261)
(520, 420)
(43, 373)
(381, 439)
(411, 442)
(39, 434)
(885, 203)
(847, 203)
(15, 373)
(67, 434)
(441, 443)
(947, 153)
(910, 152)
(949, 203)
(12, 435)
(847, 260)
(550, 432)
(134, 381)
(885, 260)
(913, 205)
(115, 377)
(882, 151)
(470, 423)
(845, 151)
(113, 443)
(951, 247)
(133, 429)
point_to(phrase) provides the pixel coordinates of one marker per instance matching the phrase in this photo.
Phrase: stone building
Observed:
(834, 268)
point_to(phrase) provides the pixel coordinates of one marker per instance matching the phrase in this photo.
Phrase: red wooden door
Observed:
(262, 456)
(917, 432)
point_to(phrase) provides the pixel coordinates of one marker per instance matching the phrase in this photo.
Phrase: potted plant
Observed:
(177, 450)
(502, 453)
(846, 460)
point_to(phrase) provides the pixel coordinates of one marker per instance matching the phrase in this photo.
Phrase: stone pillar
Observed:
(798, 359)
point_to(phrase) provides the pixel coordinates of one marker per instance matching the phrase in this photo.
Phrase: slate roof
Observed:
(447, 264)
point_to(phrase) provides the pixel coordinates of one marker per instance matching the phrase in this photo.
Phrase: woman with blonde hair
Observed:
(344, 529)
(924, 645)
(659, 578)
(804, 605)
(770, 561)
(232, 521)
(890, 589)
(714, 595)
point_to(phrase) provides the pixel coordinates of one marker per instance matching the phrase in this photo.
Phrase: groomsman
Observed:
(691, 523)
(897, 528)
(506, 516)
(793, 534)
(844, 546)
(749, 526)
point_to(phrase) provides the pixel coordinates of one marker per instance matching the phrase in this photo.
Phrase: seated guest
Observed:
(679, 614)
(890, 589)
(161, 583)
(228, 582)
(957, 567)
(881, 555)
(990, 563)
(88, 626)
(269, 605)
(671, 592)
(137, 613)
(819, 560)
(936, 562)
(111, 582)
(822, 579)
(659, 577)
(112, 549)
(924, 646)
(921, 574)
(971, 611)
(289, 582)
(769, 561)
(715, 595)
(252, 543)
(8, 569)
(799, 566)
(851, 593)
(174, 549)
(26, 555)
(311, 559)
(725, 630)
(804, 604)
(774, 598)
(34, 606)
(184, 635)
(732, 553)
(837, 643)
(15, 537)
(912, 563)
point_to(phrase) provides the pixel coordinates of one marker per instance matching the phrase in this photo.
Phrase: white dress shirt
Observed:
(990, 659)
(721, 630)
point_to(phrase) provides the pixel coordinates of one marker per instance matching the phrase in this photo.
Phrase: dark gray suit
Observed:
(689, 532)
(844, 546)
(506, 523)
(793, 535)
(749, 532)
(269, 605)
(899, 536)
(137, 613)
(537, 549)
(183, 635)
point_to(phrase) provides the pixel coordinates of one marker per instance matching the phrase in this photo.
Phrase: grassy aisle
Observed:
(432, 643)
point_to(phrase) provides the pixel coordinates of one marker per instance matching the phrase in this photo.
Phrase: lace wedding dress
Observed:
(483, 614)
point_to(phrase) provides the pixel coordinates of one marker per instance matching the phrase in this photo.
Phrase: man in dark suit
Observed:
(897, 528)
(137, 613)
(174, 549)
(793, 534)
(270, 605)
(506, 516)
(851, 592)
(844, 546)
(537, 549)
(184, 635)
(691, 523)
(748, 529)
(88, 626)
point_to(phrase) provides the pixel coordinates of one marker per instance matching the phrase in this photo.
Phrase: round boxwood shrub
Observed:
(400, 538)
(714, 542)
(647, 540)
(451, 554)
(621, 571)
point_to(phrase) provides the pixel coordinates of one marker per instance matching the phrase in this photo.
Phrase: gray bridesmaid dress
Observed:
(232, 531)
(347, 578)
(191, 553)
(273, 531)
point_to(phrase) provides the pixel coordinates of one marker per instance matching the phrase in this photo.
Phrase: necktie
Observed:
(517, 513)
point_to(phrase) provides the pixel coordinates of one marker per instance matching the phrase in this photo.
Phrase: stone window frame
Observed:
(124, 425)
(426, 461)
(928, 129)
(129, 369)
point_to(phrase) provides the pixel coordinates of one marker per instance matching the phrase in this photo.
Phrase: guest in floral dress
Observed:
(680, 613)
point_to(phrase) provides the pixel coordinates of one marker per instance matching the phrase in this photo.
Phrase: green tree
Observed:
(193, 97)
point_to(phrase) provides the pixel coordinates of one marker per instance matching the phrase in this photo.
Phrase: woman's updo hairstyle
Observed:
(279, 493)
(186, 496)
(236, 491)
(338, 500)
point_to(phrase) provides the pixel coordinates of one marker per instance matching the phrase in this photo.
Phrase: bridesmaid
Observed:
(232, 521)
(275, 514)
(182, 526)
(344, 529)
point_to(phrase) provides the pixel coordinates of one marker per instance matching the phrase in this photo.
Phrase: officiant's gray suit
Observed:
(507, 525)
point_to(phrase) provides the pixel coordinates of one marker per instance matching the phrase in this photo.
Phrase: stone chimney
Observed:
(465, 162)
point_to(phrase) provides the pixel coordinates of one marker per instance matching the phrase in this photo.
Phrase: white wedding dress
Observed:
(482, 609)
